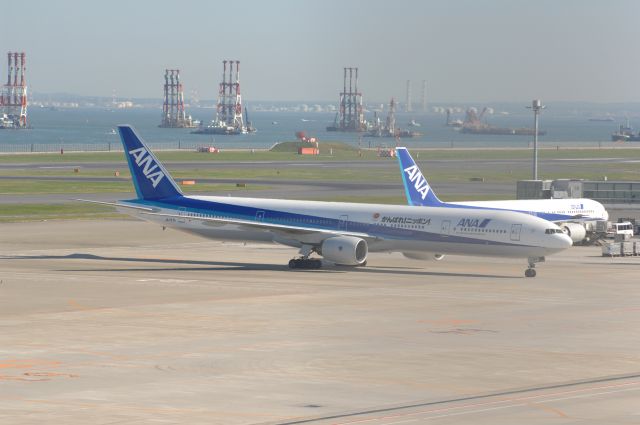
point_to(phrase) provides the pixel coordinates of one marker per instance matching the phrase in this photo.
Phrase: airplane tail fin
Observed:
(151, 180)
(416, 186)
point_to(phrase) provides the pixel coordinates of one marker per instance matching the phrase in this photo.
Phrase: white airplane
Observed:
(342, 233)
(564, 212)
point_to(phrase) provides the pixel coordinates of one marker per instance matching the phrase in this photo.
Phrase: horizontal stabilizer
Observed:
(116, 204)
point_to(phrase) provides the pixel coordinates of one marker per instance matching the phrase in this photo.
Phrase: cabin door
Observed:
(342, 223)
(446, 227)
(515, 232)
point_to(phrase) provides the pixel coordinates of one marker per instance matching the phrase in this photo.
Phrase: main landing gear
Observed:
(304, 262)
(531, 271)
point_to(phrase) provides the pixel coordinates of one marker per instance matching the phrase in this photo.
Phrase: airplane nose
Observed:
(558, 242)
(562, 241)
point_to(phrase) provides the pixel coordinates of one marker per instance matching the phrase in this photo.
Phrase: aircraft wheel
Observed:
(530, 273)
(302, 263)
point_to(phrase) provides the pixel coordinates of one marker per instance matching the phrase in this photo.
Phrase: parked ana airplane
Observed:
(342, 233)
(564, 212)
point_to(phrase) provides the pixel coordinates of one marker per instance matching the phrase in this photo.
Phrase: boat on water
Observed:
(625, 134)
(7, 122)
(389, 128)
(4, 121)
(383, 132)
(456, 124)
(219, 126)
(522, 131)
(407, 133)
(473, 124)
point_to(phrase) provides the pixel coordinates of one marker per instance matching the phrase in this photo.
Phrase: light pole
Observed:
(537, 106)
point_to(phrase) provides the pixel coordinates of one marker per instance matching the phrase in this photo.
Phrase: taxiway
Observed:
(120, 322)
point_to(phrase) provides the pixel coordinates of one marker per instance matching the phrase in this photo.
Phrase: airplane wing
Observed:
(281, 228)
(284, 228)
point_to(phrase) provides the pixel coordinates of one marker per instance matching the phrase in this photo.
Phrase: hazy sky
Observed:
(295, 50)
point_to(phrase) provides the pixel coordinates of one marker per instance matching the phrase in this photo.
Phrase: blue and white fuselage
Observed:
(384, 227)
(419, 193)
(342, 233)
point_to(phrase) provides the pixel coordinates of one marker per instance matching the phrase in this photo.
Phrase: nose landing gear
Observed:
(531, 271)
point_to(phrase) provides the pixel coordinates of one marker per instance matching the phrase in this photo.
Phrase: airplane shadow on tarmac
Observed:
(212, 265)
(228, 265)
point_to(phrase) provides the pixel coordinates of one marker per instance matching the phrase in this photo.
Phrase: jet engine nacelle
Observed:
(347, 250)
(575, 231)
(424, 256)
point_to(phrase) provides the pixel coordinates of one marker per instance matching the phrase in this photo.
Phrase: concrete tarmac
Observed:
(110, 322)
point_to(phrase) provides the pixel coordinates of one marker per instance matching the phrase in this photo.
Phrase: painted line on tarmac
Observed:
(354, 415)
(516, 402)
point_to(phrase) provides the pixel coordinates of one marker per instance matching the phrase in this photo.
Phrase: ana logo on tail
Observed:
(418, 180)
(149, 168)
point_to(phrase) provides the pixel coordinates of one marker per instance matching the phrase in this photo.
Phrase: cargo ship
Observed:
(348, 124)
(219, 126)
(625, 134)
(7, 122)
(389, 129)
(473, 125)
(523, 131)
(381, 132)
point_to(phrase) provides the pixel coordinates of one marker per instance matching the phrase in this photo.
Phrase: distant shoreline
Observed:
(53, 149)
(258, 154)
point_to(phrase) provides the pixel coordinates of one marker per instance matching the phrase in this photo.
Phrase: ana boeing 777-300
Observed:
(567, 213)
(342, 233)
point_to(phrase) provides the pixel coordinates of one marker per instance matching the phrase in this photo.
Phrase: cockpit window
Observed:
(552, 231)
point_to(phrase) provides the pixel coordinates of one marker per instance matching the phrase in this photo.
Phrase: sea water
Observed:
(96, 126)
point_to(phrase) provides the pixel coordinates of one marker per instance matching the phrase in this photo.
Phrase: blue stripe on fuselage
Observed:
(186, 205)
